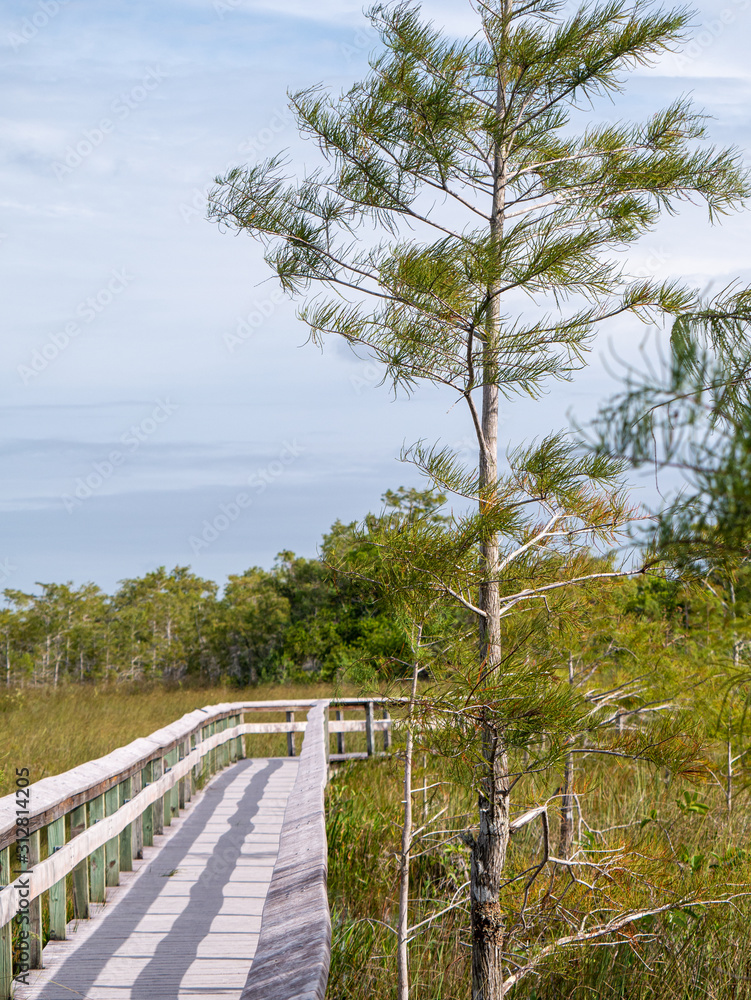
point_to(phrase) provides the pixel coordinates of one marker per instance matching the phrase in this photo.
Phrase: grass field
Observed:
(50, 730)
(695, 952)
(681, 833)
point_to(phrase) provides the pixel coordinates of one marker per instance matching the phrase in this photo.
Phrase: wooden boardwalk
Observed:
(185, 923)
(229, 901)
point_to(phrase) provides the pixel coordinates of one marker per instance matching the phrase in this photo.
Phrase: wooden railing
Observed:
(99, 816)
(294, 947)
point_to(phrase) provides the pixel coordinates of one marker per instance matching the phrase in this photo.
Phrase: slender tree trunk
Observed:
(567, 808)
(489, 848)
(567, 792)
(57, 660)
(736, 665)
(404, 859)
(729, 788)
(487, 864)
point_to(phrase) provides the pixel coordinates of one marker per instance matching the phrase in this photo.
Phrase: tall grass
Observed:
(681, 833)
(685, 831)
(50, 730)
(363, 827)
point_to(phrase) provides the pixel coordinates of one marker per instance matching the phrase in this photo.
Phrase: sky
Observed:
(159, 404)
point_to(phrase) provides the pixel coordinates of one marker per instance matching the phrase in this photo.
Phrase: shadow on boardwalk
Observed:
(100, 968)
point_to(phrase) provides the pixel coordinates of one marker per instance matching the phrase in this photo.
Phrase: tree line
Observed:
(303, 617)
(329, 617)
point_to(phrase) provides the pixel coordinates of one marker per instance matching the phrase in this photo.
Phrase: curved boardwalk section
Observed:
(227, 899)
(187, 922)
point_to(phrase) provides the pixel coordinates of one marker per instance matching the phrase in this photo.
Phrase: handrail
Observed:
(47, 873)
(59, 794)
(297, 898)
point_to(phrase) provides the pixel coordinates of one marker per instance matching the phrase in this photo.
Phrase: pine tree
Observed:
(468, 236)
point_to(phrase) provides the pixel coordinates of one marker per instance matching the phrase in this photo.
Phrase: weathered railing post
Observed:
(174, 795)
(35, 906)
(205, 761)
(369, 729)
(290, 736)
(136, 827)
(166, 807)
(212, 753)
(157, 812)
(112, 847)
(219, 751)
(225, 746)
(237, 743)
(125, 839)
(6, 950)
(240, 740)
(57, 897)
(97, 882)
(326, 741)
(168, 795)
(183, 794)
(387, 730)
(339, 736)
(191, 773)
(81, 871)
(147, 777)
(181, 782)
